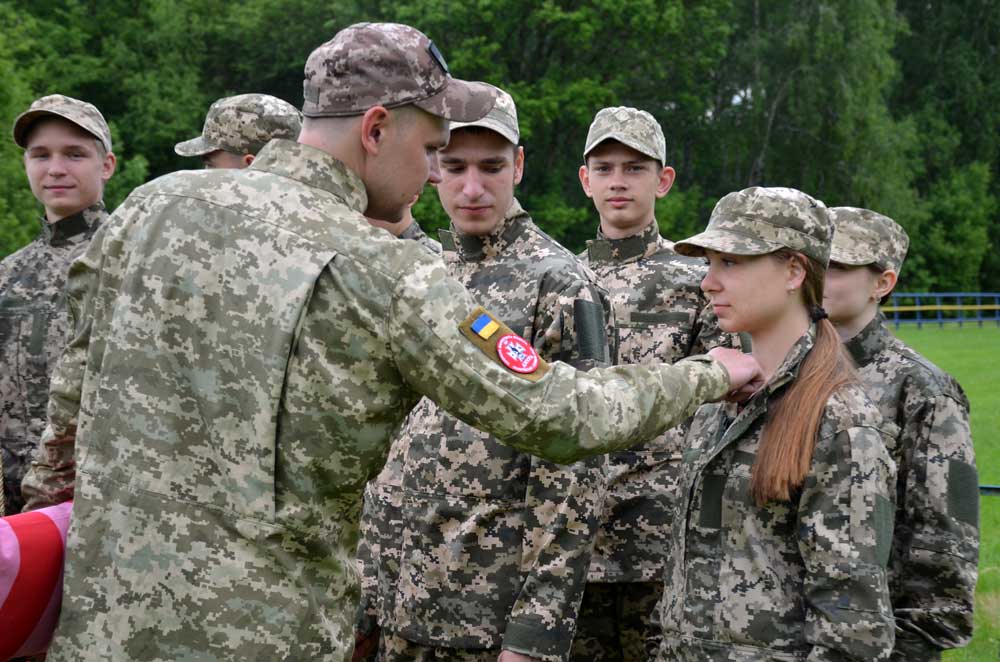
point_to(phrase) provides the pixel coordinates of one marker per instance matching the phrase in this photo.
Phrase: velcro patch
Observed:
(484, 331)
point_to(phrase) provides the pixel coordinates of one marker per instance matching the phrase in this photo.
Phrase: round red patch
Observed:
(517, 354)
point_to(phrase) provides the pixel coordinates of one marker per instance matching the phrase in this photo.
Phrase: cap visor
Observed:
(624, 139)
(194, 147)
(722, 241)
(492, 125)
(460, 101)
(851, 258)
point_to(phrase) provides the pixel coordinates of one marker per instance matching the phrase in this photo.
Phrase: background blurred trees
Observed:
(891, 105)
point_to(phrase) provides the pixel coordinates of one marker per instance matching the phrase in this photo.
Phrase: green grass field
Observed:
(972, 355)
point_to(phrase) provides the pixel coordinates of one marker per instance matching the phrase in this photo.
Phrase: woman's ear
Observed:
(795, 272)
(884, 284)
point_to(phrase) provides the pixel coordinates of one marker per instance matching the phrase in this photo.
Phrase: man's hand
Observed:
(511, 656)
(365, 646)
(745, 376)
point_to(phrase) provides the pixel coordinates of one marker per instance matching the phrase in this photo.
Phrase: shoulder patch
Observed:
(504, 347)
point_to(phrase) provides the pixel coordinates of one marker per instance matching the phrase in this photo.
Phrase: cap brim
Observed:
(24, 121)
(195, 147)
(852, 258)
(460, 101)
(723, 241)
(624, 139)
(492, 125)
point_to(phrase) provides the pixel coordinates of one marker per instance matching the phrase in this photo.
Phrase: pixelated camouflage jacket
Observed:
(496, 543)
(661, 315)
(417, 234)
(34, 327)
(799, 580)
(253, 344)
(932, 570)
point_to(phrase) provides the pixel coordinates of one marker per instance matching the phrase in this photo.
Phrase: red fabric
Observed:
(40, 570)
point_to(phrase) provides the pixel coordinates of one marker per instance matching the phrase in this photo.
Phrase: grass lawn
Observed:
(972, 355)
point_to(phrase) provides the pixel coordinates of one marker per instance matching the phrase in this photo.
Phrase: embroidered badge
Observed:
(485, 326)
(515, 353)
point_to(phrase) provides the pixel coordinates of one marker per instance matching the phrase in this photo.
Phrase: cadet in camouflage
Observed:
(661, 316)
(237, 128)
(252, 342)
(933, 567)
(67, 159)
(765, 577)
(495, 544)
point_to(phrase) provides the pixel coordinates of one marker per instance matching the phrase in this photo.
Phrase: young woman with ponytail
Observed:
(787, 498)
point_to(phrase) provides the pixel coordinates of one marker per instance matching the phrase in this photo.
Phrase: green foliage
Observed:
(892, 105)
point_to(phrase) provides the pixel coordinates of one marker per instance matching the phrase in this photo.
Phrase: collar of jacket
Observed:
(81, 224)
(313, 167)
(627, 249)
(869, 342)
(471, 248)
(413, 232)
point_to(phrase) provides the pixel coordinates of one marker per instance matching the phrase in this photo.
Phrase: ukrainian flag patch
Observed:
(485, 326)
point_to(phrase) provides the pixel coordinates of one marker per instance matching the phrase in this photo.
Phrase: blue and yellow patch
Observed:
(485, 326)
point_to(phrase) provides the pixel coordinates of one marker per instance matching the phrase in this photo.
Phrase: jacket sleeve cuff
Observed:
(552, 645)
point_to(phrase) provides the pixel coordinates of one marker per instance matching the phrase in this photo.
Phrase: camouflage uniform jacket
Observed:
(34, 327)
(417, 234)
(932, 571)
(804, 580)
(496, 543)
(253, 344)
(661, 315)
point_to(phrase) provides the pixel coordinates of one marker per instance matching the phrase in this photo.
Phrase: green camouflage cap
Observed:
(243, 124)
(629, 126)
(84, 115)
(387, 64)
(759, 220)
(502, 118)
(865, 237)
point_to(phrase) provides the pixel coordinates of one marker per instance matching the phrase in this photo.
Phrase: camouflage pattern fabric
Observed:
(387, 64)
(496, 544)
(629, 126)
(804, 580)
(392, 647)
(417, 234)
(865, 237)
(253, 344)
(661, 316)
(615, 622)
(760, 220)
(501, 119)
(83, 114)
(243, 124)
(933, 568)
(34, 327)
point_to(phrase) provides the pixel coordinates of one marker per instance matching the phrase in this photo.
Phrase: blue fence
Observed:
(943, 308)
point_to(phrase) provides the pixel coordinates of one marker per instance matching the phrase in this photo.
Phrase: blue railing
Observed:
(942, 308)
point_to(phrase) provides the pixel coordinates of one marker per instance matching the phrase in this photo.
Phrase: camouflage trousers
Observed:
(393, 648)
(615, 622)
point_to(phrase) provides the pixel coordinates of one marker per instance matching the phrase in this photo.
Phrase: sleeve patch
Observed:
(963, 492)
(504, 347)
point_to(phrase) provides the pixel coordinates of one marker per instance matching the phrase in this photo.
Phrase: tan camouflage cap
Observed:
(387, 64)
(84, 115)
(865, 237)
(629, 126)
(243, 124)
(502, 118)
(759, 220)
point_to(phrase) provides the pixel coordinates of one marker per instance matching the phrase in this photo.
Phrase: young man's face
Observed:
(624, 185)
(479, 170)
(66, 169)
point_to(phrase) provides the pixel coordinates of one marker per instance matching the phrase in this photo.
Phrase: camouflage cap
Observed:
(391, 65)
(502, 118)
(865, 237)
(629, 126)
(243, 124)
(84, 115)
(759, 220)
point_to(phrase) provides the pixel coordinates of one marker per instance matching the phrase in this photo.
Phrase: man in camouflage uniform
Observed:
(238, 127)
(932, 570)
(68, 159)
(661, 316)
(253, 342)
(495, 544)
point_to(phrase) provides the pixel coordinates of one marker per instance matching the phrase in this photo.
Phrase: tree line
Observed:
(890, 105)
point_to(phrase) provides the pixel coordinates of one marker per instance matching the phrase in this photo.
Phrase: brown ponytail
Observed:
(786, 447)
